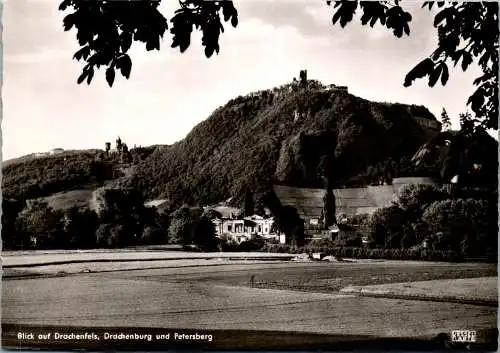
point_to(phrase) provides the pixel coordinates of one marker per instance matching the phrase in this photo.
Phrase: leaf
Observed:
(126, 41)
(478, 80)
(64, 5)
(209, 50)
(69, 21)
(348, 10)
(420, 70)
(234, 20)
(227, 11)
(82, 53)
(125, 65)
(476, 100)
(406, 29)
(455, 56)
(83, 76)
(153, 43)
(428, 4)
(398, 31)
(374, 20)
(484, 59)
(336, 17)
(366, 17)
(90, 76)
(466, 60)
(440, 17)
(110, 76)
(184, 43)
(434, 75)
(445, 74)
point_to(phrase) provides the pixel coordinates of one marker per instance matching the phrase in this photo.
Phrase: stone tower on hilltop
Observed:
(303, 77)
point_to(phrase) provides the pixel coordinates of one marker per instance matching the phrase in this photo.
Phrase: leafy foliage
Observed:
(191, 226)
(328, 248)
(386, 226)
(106, 30)
(462, 225)
(204, 234)
(393, 17)
(80, 227)
(348, 236)
(40, 226)
(125, 210)
(10, 212)
(416, 198)
(470, 155)
(467, 31)
(462, 220)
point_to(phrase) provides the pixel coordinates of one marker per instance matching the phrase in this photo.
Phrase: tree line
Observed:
(122, 220)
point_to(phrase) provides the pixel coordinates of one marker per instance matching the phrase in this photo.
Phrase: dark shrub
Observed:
(251, 245)
(43, 226)
(153, 236)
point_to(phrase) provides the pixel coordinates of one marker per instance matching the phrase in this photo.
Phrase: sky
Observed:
(168, 93)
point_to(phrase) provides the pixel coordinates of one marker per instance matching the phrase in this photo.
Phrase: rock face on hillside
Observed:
(303, 157)
(283, 135)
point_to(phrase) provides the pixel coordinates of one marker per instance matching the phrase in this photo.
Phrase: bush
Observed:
(386, 227)
(365, 253)
(227, 243)
(358, 220)
(43, 226)
(204, 234)
(11, 238)
(462, 226)
(251, 245)
(80, 227)
(122, 235)
(114, 236)
(349, 237)
(179, 231)
(415, 198)
(152, 235)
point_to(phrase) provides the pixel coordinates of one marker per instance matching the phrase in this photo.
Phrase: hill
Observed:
(286, 135)
(283, 135)
(74, 172)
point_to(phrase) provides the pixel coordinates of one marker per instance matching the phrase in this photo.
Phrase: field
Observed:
(279, 297)
(75, 198)
(321, 277)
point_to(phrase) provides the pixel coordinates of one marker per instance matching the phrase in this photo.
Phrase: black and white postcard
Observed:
(249, 174)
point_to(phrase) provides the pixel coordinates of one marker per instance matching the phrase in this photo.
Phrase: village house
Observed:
(245, 228)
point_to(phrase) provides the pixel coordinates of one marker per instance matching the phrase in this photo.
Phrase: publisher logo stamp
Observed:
(463, 336)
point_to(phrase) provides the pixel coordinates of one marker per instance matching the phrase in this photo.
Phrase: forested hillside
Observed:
(33, 177)
(283, 135)
(304, 136)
